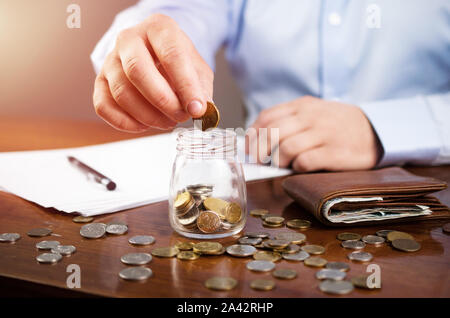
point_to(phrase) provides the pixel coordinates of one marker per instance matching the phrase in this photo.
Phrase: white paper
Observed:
(140, 167)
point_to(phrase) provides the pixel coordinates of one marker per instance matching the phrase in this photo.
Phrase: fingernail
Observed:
(195, 108)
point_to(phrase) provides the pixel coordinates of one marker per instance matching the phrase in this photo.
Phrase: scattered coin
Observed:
(267, 256)
(82, 219)
(215, 253)
(263, 217)
(240, 250)
(141, 240)
(272, 224)
(298, 257)
(383, 233)
(313, 249)
(348, 236)
(262, 284)
(49, 258)
(298, 224)
(208, 222)
(361, 282)
(39, 232)
(9, 237)
(259, 212)
(284, 273)
(395, 235)
(274, 219)
(184, 246)
(260, 266)
(360, 256)
(277, 243)
(446, 228)
(93, 230)
(116, 229)
(211, 117)
(257, 234)
(207, 247)
(340, 287)
(250, 240)
(290, 249)
(165, 251)
(187, 255)
(47, 245)
(340, 266)
(292, 237)
(315, 261)
(373, 239)
(135, 273)
(64, 250)
(136, 258)
(332, 274)
(221, 283)
(406, 245)
(353, 244)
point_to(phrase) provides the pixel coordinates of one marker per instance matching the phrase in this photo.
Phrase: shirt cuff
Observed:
(406, 130)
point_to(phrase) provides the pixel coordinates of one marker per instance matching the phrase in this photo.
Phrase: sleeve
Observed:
(412, 130)
(205, 22)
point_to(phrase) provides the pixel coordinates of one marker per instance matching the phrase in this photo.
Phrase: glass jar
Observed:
(207, 197)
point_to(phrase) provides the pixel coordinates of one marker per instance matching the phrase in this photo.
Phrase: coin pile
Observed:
(197, 211)
(275, 221)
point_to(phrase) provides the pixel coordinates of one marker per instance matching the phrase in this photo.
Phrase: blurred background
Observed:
(45, 69)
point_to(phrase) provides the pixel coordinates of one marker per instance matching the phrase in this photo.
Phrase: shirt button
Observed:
(334, 19)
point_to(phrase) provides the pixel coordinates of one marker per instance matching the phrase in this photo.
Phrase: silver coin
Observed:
(136, 258)
(250, 240)
(240, 250)
(93, 230)
(47, 245)
(135, 273)
(9, 237)
(373, 239)
(64, 249)
(332, 274)
(257, 234)
(340, 266)
(116, 229)
(360, 256)
(141, 240)
(49, 258)
(39, 232)
(298, 257)
(292, 237)
(260, 266)
(383, 233)
(353, 244)
(340, 287)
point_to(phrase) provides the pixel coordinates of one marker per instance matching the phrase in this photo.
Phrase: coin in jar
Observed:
(313, 249)
(141, 240)
(284, 273)
(315, 261)
(360, 256)
(339, 287)
(240, 250)
(233, 213)
(260, 266)
(208, 222)
(406, 245)
(9, 237)
(165, 251)
(39, 232)
(136, 258)
(267, 256)
(262, 284)
(353, 244)
(298, 224)
(259, 212)
(346, 236)
(93, 230)
(135, 273)
(332, 274)
(221, 283)
(216, 205)
(182, 200)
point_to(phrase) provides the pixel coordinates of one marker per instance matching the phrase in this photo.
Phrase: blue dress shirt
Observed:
(389, 57)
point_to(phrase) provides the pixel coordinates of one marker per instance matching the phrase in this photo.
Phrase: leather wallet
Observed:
(387, 195)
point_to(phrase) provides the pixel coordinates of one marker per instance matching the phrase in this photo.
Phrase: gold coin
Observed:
(264, 216)
(233, 213)
(267, 256)
(271, 224)
(315, 261)
(220, 252)
(208, 222)
(184, 246)
(406, 245)
(313, 249)
(277, 243)
(221, 283)
(211, 117)
(262, 284)
(274, 219)
(259, 212)
(293, 237)
(207, 247)
(290, 249)
(182, 200)
(298, 224)
(395, 235)
(165, 251)
(348, 236)
(284, 273)
(82, 219)
(216, 205)
(187, 255)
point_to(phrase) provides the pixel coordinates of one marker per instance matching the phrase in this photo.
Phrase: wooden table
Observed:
(425, 273)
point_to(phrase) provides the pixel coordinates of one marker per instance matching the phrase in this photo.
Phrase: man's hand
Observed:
(321, 135)
(154, 77)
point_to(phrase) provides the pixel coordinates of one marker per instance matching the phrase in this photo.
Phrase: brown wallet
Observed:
(387, 195)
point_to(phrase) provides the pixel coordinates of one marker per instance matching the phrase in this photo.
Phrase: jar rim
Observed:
(211, 143)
